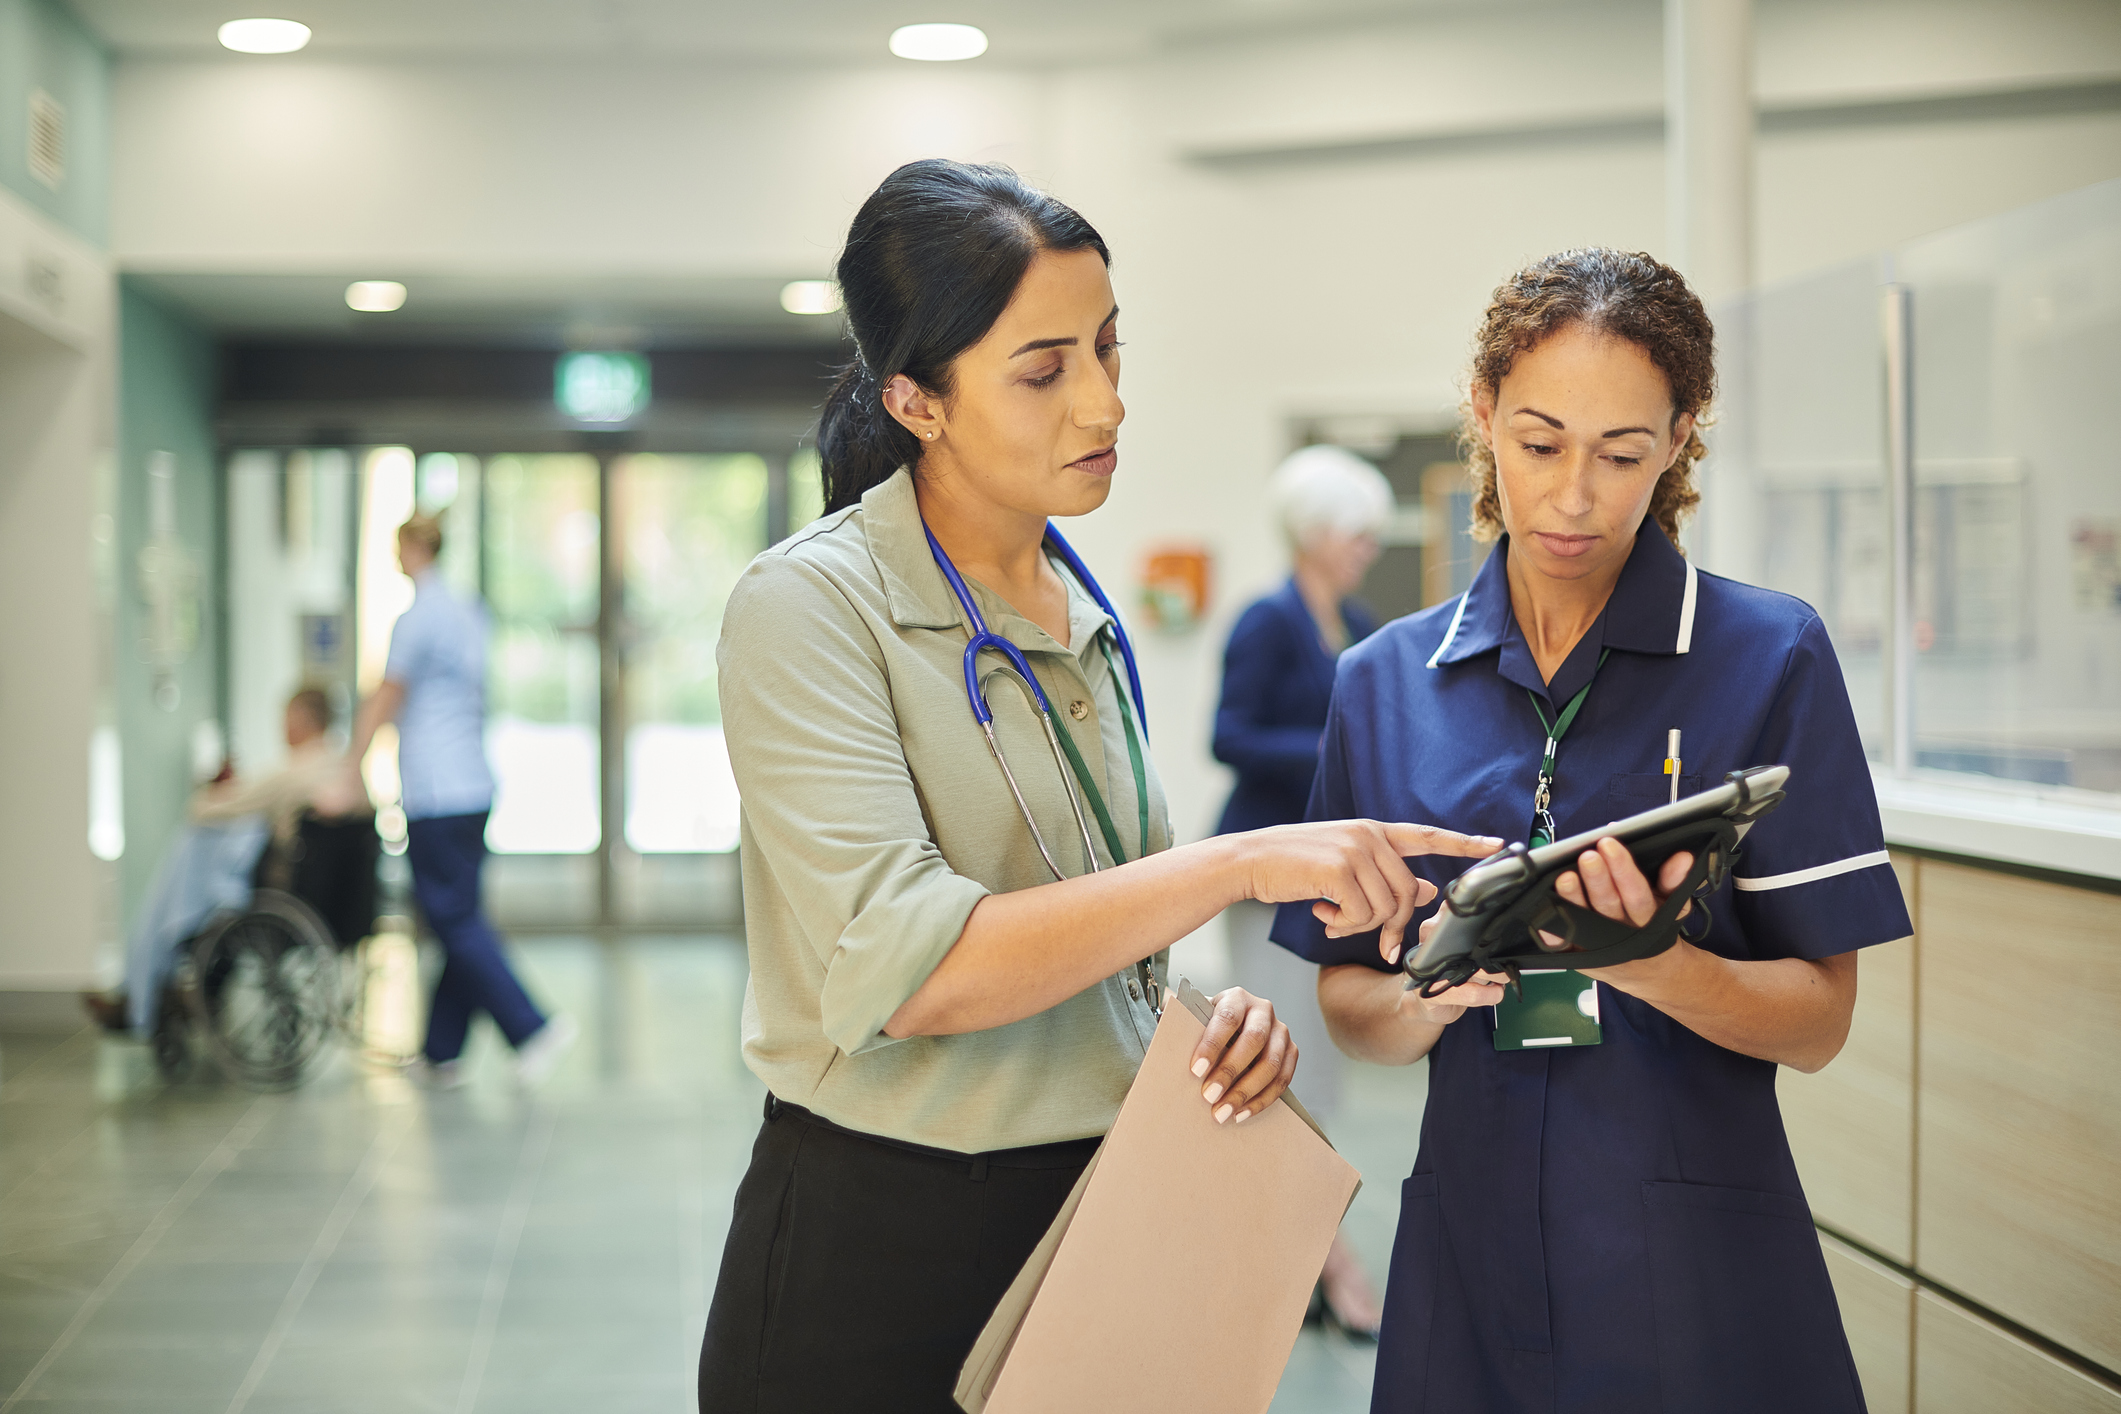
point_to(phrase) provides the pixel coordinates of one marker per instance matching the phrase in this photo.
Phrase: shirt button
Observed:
(1134, 989)
(1079, 710)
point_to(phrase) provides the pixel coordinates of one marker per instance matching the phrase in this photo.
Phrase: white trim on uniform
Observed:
(1686, 609)
(1451, 632)
(1813, 874)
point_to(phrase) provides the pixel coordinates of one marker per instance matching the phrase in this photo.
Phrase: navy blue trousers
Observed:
(447, 854)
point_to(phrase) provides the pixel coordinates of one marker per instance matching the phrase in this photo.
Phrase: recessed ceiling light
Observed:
(938, 42)
(375, 296)
(264, 36)
(810, 297)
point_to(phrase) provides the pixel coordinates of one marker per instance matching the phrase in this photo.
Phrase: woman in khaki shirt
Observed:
(945, 1029)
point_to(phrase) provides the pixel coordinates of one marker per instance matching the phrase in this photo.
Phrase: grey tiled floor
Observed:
(361, 1246)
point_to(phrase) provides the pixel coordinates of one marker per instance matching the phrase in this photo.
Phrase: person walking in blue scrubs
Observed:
(434, 686)
(1611, 1225)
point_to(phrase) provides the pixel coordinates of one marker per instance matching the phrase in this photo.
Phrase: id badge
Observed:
(1559, 1008)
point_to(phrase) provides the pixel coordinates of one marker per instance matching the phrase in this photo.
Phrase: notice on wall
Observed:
(2095, 563)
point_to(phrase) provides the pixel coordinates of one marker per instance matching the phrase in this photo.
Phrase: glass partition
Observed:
(2012, 570)
(2017, 623)
(1793, 495)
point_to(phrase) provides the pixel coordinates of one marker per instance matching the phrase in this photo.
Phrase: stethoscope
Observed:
(983, 639)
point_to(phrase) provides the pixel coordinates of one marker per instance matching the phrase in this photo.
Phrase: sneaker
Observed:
(436, 1075)
(537, 1057)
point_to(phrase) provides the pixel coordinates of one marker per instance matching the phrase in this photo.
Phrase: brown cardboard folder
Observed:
(1176, 1276)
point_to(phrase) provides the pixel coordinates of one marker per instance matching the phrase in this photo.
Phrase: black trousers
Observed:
(859, 1271)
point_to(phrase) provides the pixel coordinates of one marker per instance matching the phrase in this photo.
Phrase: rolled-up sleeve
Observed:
(828, 797)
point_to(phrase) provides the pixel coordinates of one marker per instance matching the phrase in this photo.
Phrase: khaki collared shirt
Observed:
(874, 820)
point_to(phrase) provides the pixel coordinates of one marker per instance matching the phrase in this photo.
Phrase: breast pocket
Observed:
(1634, 792)
(1746, 1318)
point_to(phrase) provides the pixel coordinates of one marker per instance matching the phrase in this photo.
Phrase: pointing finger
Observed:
(1408, 840)
(1406, 894)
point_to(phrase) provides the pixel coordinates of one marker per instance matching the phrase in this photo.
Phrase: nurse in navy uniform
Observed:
(1613, 1225)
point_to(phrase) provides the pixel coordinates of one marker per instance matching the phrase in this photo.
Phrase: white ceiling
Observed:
(653, 311)
(735, 30)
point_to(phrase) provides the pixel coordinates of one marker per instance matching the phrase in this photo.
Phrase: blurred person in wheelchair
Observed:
(242, 834)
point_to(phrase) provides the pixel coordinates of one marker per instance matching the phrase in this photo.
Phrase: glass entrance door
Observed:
(541, 575)
(604, 578)
(687, 526)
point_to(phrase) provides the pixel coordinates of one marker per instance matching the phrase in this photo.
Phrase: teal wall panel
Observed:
(45, 46)
(167, 380)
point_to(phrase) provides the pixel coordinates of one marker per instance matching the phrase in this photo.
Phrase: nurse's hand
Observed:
(1607, 881)
(1793, 1011)
(1447, 1006)
(1245, 1058)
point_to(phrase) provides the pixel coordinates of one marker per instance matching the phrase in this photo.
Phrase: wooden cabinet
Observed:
(2018, 1157)
(1852, 1125)
(1964, 1365)
(1969, 1136)
(1878, 1312)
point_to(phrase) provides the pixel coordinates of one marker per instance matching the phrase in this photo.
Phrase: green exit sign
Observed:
(601, 387)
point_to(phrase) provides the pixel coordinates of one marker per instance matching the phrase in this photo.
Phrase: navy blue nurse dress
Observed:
(1616, 1228)
(1277, 682)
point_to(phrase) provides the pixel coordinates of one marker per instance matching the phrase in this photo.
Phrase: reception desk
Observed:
(1963, 1154)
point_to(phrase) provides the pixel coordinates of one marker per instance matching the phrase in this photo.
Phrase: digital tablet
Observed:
(1493, 913)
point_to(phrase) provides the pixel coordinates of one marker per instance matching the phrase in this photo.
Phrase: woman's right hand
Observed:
(1447, 1006)
(1356, 869)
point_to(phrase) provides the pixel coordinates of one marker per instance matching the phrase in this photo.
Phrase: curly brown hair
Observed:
(1632, 297)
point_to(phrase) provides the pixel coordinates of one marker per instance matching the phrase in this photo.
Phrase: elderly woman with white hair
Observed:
(1277, 682)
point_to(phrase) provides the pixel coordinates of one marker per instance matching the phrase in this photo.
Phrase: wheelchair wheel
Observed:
(171, 1042)
(268, 990)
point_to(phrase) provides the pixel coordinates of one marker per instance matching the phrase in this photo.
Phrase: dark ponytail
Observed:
(933, 258)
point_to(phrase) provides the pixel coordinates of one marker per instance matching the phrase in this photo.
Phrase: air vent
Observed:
(47, 139)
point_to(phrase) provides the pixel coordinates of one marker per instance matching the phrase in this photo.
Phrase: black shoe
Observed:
(108, 1009)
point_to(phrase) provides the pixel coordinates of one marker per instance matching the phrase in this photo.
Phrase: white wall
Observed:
(1258, 295)
(532, 167)
(55, 439)
(1251, 295)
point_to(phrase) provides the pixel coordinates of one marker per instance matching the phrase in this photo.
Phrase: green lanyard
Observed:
(1543, 831)
(1144, 972)
(1095, 796)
